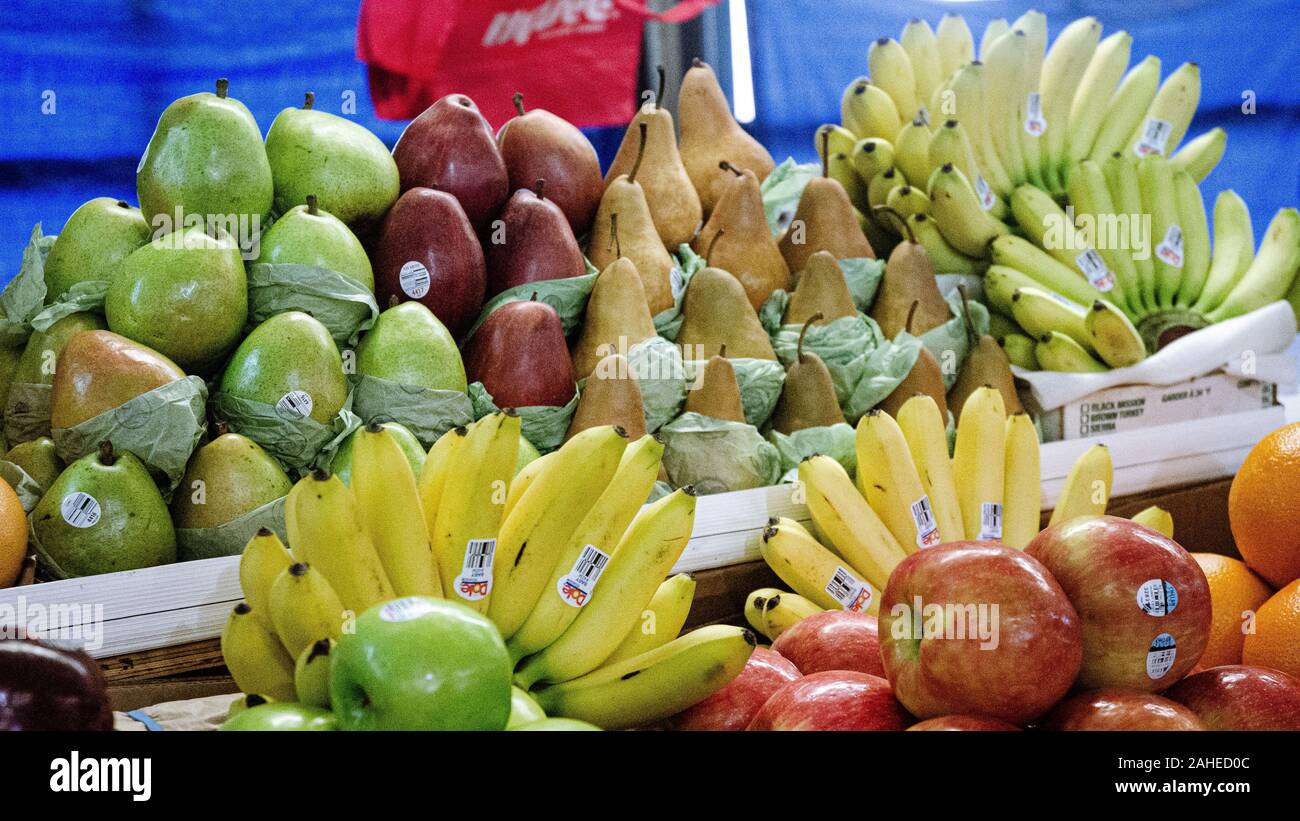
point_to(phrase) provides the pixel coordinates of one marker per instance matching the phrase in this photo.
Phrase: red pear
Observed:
(537, 145)
(520, 356)
(536, 242)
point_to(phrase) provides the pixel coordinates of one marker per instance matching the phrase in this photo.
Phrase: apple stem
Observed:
(223, 86)
(708, 252)
(613, 235)
(817, 317)
(308, 100)
(911, 312)
(518, 99)
(659, 98)
(107, 457)
(640, 152)
(538, 188)
(311, 205)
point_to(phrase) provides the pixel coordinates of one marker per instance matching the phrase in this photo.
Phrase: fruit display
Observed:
(1062, 176)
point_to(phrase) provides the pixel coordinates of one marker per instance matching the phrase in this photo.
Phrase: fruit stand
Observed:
(984, 420)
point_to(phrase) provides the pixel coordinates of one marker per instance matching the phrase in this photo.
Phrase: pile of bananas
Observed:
(1056, 173)
(561, 556)
(909, 495)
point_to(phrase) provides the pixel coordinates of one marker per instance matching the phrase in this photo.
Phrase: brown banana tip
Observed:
(264, 532)
(320, 648)
(689, 490)
(769, 532)
(243, 609)
(772, 603)
(620, 431)
(750, 638)
(320, 474)
(298, 569)
(254, 700)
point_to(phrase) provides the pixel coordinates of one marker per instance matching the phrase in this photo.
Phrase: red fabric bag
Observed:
(575, 58)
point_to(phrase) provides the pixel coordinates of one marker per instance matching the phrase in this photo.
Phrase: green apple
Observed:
(341, 464)
(421, 663)
(245, 702)
(280, 716)
(558, 724)
(523, 709)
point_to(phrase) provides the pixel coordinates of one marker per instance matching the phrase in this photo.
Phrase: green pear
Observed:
(350, 170)
(8, 366)
(100, 370)
(38, 459)
(289, 361)
(185, 295)
(226, 478)
(102, 515)
(94, 242)
(527, 453)
(410, 346)
(308, 235)
(37, 364)
(341, 464)
(205, 159)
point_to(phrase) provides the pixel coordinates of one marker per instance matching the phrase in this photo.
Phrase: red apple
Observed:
(43, 687)
(977, 723)
(734, 706)
(833, 700)
(833, 640)
(978, 628)
(1142, 600)
(1117, 709)
(1241, 697)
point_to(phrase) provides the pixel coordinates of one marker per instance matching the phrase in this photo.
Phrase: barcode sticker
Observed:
(984, 192)
(1035, 125)
(852, 593)
(677, 282)
(407, 609)
(1155, 137)
(1157, 597)
(295, 403)
(1160, 658)
(81, 510)
(990, 521)
(575, 587)
(1170, 249)
(475, 579)
(927, 529)
(414, 279)
(1096, 271)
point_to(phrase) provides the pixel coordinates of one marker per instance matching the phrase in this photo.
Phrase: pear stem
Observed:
(708, 252)
(726, 166)
(393, 301)
(911, 314)
(373, 426)
(519, 102)
(722, 350)
(311, 205)
(826, 153)
(223, 86)
(538, 188)
(817, 317)
(613, 235)
(309, 100)
(696, 62)
(221, 428)
(907, 229)
(106, 455)
(640, 152)
(533, 298)
(659, 98)
(965, 312)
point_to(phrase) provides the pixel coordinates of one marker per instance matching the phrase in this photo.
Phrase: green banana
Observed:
(1160, 202)
(1107, 230)
(956, 208)
(880, 186)
(946, 259)
(1112, 335)
(907, 201)
(1271, 274)
(966, 93)
(1001, 283)
(1167, 118)
(1088, 109)
(1062, 72)
(1029, 97)
(1196, 239)
(1058, 352)
(1020, 351)
(1201, 155)
(912, 150)
(1234, 249)
(1126, 197)
(1128, 104)
(867, 111)
(1048, 272)
(951, 144)
(1040, 312)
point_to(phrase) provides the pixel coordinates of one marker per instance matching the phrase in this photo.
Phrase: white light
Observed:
(742, 75)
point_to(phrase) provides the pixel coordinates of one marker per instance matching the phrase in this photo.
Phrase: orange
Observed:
(1233, 590)
(13, 535)
(1276, 640)
(1264, 506)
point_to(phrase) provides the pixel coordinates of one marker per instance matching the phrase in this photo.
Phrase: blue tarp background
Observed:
(110, 67)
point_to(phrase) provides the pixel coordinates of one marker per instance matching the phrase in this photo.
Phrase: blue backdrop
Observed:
(82, 82)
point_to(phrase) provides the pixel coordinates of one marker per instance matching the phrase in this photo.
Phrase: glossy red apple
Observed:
(833, 640)
(1241, 697)
(1117, 709)
(833, 700)
(43, 687)
(978, 628)
(1142, 600)
(734, 706)
(976, 723)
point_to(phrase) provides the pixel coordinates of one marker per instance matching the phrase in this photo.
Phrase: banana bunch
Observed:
(1060, 170)
(562, 557)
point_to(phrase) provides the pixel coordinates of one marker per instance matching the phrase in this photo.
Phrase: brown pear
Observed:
(710, 134)
(715, 311)
(624, 227)
(99, 370)
(925, 377)
(986, 365)
(808, 397)
(617, 317)
(718, 393)
(909, 278)
(738, 240)
(611, 396)
(822, 291)
(674, 205)
(824, 221)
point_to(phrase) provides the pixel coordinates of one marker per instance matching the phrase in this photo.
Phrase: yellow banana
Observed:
(833, 138)
(951, 144)
(1029, 102)
(1020, 254)
(814, 572)
(847, 521)
(1086, 491)
(1058, 352)
(1156, 518)
(979, 463)
(1088, 108)
(661, 621)
(1004, 94)
(262, 560)
(1046, 223)
(946, 259)
(955, 43)
(1112, 336)
(433, 476)
(656, 684)
(922, 49)
(879, 188)
(890, 68)
(466, 525)
(311, 674)
(1200, 156)
(1022, 494)
(840, 168)
(572, 516)
(1126, 108)
(927, 440)
(912, 151)
(1063, 71)
(964, 101)
(388, 503)
(870, 156)
(908, 201)
(521, 482)
(957, 210)
(771, 611)
(891, 483)
(304, 608)
(647, 552)
(868, 111)
(1234, 249)
(1039, 312)
(1165, 124)
(995, 29)
(325, 531)
(257, 660)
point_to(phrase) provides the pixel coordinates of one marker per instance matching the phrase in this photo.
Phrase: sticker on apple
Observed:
(81, 510)
(407, 609)
(475, 580)
(852, 593)
(1160, 658)
(414, 279)
(1157, 597)
(295, 403)
(927, 529)
(575, 587)
(990, 521)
